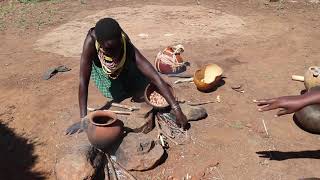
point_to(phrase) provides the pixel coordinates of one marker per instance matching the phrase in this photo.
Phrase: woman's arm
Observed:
(85, 72)
(147, 69)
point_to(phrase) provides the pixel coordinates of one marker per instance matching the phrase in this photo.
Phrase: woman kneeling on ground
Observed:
(118, 69)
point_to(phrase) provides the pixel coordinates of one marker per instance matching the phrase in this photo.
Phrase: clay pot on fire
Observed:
(103, 129)
(308, 118)
(208, 77)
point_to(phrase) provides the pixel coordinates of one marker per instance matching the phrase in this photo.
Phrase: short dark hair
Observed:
(107, 29)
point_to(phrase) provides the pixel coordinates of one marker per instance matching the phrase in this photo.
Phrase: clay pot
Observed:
(207, 77)
(150, 89)
(103, 129)
(312, 77)
(308, 118)
(169, 61)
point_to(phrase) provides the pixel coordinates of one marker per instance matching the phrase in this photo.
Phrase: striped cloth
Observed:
(101, 80)
(129, 82)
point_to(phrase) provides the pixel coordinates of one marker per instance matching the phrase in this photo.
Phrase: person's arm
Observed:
(147, 69)
(85, 72)
(289, 104)
(312, 97)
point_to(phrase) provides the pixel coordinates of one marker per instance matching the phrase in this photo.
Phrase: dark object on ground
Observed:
(53, 71)
(281, 156)
(308, 118)
(181, 75)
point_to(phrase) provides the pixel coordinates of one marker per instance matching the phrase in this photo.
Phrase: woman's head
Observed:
(108, 33)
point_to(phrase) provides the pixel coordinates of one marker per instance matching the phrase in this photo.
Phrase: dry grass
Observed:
(27, 14)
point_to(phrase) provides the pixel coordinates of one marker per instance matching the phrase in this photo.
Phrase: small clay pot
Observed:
(308, 118)
(208, 77)
(312, 77)
(104, 129)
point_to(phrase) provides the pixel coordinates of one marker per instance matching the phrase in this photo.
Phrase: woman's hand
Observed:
(287, 104)
(181, 119)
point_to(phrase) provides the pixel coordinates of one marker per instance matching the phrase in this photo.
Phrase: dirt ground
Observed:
(259, 44)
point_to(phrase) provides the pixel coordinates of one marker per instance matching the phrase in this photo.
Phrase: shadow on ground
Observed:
(16, 156)
(280, 156)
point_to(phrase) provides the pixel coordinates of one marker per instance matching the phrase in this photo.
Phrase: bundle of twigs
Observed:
(167, 129)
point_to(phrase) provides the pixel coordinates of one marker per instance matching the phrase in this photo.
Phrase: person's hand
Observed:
(287, 104)
(181, 119)
(74, 128)
(77, 127)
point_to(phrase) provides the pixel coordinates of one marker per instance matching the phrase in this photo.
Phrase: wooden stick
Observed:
(297, 78)
(265, 127)
(113, 171)
(124, 106)
(200, 103)
(183, 80)
(91, 109)
(159, 132)
(116, 105)
(126, 172)
(116, 112)
(239, 90)
(180, 75)
(216, 168)
(106, 171)
(121, 112)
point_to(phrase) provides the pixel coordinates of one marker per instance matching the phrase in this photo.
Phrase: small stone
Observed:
(143, 35)
(264, 163)
(218, 99)
(194, 113)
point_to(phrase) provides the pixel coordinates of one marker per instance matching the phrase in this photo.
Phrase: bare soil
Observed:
(259, 44)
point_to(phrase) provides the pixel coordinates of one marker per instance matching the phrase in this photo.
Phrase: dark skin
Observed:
(113, 48)
(289, 104)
